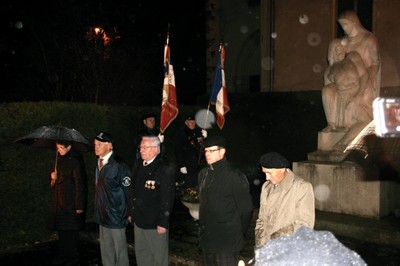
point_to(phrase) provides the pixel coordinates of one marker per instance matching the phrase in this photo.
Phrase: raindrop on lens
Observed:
(244, 29)
(317, 68)
(313, 39)
(18, 25)
(303, 18)
(267, 63)
(322, 192)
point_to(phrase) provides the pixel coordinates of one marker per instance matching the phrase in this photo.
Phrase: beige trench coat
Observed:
(284, 208)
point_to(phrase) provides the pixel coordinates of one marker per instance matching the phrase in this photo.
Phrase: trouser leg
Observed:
(113, 246)
(151, 248)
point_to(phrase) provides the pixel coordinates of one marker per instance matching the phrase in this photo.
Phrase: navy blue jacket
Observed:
(111, 196)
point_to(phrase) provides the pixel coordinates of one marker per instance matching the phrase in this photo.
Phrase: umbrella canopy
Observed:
(46, 137)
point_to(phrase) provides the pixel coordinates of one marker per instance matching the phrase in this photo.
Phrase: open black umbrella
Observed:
(46, 137)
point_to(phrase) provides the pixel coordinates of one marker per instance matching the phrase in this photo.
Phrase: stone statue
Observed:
(351, 81)
(364, 42)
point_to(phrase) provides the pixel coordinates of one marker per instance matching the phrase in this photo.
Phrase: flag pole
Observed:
(55, 163)
(164, 63)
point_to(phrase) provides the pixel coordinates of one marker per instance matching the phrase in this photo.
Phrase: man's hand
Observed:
(161, 230)
(204, 133)
(161, 137)
(53, 176)
(183, 170)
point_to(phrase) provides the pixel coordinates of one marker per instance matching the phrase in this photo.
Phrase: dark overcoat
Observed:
(225, 208)
(70, 193)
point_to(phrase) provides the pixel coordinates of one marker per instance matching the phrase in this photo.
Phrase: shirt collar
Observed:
(150, 161)
(106, 157)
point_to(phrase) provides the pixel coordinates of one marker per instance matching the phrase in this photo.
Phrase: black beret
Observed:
(104, 137)
(274, 160)
(190, 117)
(148, 115)
(215, 140)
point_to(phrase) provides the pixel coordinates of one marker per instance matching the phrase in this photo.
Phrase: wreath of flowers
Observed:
(190, 195)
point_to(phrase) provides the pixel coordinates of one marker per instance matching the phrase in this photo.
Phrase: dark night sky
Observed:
(44, 54)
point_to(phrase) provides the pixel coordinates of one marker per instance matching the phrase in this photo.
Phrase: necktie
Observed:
(101, 163)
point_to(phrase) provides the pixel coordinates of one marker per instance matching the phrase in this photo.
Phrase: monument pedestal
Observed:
(347, 187)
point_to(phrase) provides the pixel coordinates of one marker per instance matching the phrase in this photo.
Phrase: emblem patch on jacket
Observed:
(126, 181)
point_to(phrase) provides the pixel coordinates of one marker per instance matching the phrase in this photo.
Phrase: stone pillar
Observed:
(349, 187)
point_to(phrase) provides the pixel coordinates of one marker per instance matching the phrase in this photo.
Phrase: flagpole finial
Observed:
(168, 33)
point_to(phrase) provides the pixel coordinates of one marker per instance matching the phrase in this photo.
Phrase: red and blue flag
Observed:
(219, 94)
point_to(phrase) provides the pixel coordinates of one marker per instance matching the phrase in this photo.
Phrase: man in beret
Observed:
(113, 180)
(225, 206)
(286, 201)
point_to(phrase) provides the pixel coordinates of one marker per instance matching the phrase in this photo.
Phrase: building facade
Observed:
(281, 45)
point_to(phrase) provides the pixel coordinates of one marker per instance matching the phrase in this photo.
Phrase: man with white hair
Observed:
(152, 199)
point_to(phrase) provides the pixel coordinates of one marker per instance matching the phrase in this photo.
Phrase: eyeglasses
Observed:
(146, 147)
(211, 151)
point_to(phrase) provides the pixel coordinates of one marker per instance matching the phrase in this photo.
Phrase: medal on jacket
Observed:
(150, 184)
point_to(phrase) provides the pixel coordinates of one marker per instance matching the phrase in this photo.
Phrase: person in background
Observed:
(286, 201)
(188, 152)
(152, 198)
(225, 206)
(68, 207)
(113, 180)
(149, 129)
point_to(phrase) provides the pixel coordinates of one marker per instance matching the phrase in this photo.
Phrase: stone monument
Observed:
(351, 82)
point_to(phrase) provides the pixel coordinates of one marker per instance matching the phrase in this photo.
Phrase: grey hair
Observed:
(155, 141)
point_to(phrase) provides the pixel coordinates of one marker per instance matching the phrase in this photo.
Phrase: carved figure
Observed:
(364, 42)
(351, 81)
